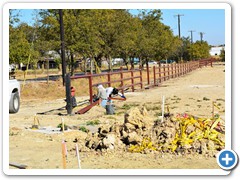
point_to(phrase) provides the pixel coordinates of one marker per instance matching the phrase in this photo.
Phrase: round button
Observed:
(227, 159)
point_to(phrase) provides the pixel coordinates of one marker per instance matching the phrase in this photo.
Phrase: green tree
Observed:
(148, 39)
(187, 49)
(222, 55)
(128, 28)
(200, 50)
(19, 47)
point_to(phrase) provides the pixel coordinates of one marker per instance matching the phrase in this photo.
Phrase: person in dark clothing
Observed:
(73, 98)
(113, 91)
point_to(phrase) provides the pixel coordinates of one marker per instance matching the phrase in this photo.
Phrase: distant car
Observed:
(167, 61)
(152, 62)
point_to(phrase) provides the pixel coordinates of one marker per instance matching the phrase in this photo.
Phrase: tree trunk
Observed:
(72, 65)
(91, 65)
(140, 63)
(132, 63)
(85, 65)
(110, 67)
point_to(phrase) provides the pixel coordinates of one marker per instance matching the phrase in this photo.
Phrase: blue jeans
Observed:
(104, 103)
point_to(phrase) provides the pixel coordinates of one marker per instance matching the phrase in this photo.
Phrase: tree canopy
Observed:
(100, 34)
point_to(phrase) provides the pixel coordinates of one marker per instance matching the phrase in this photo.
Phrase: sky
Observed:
(211, 22)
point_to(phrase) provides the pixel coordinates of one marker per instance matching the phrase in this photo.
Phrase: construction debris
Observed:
(182, 134)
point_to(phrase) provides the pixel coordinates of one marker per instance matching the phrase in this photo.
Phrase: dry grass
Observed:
(42, 90)
(55, 89)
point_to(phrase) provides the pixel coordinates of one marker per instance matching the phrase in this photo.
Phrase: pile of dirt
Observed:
(182, 134)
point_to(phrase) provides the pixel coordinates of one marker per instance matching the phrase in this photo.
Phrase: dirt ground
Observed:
(192, 93)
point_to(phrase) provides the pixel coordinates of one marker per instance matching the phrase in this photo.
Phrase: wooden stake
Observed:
(64, 154)
(78, 157)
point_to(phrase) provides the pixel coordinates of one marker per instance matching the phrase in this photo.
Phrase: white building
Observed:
(216, 51)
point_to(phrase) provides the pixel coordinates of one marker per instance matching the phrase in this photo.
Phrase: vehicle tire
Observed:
(14, 104)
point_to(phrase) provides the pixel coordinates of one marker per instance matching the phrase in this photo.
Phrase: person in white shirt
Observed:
(101, 95)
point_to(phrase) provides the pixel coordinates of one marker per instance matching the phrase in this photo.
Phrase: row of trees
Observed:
(100, 35)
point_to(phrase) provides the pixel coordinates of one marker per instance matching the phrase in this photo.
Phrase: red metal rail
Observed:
(123, 85)
(161, 73)
(167, 71)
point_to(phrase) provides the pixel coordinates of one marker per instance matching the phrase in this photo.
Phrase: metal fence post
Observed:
(168, 71)
(148, 78)
(154, 75)
(164, 72)
(160, 73)
(109, 79)
(141, 78)
(175, 71)
(132, 80)
(121, 75)
(90, 88)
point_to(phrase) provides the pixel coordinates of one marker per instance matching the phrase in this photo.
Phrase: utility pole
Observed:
(191, 43)
(65, 77)
(179, 34)
(179, 29)
(191, 35)
(201, 36)
(62, 45)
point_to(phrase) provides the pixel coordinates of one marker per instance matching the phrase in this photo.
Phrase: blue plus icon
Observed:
(227, 159)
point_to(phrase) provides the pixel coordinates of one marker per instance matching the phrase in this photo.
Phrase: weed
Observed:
(12, 134)
(199, 106)
(92, 123)
(83, 129)
(205, 99)
(128, 106)
(158, 114)
(61, 127)
(219, 104)
(174, 107)
(220, 100)
(187, 105)
(216, 116)
(199, 100)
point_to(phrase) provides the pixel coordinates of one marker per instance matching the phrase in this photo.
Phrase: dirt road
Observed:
(192, 93)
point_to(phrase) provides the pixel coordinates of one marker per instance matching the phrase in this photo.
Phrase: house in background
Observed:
(216, 51)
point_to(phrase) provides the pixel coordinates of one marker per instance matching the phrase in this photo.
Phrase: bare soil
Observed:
(192, 93)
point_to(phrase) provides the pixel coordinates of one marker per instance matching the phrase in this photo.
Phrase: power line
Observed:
(179, 29)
